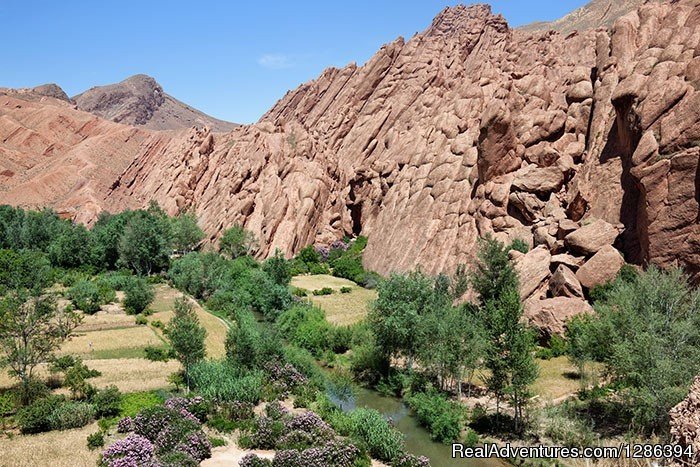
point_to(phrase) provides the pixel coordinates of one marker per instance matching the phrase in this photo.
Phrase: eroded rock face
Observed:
(467, 129)
(685, 425)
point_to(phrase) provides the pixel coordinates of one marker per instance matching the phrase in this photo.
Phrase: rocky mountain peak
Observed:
(453, 20)
(140, 100)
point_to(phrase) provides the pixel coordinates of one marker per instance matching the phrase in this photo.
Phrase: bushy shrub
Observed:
(197, 406)
(116, 280)
(306, 327)
(71, 415)
(345, 289)
(519, 245)
(266, 433)
(95, 440)
(319, 268)
(252, 460)
(36, 417)
(138, 294)
(134, 450)
(284, 377)
(141, 320)
(373, 433)
(176, 459)
(125, 425)
(107, 402)
(442, 417)
(409, 460)
(299, 292)
(85, 295)
(156, 354)
(323, 291)
(349, 267)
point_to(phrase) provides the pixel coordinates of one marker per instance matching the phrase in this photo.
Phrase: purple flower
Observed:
(132, 451)
(125, 425)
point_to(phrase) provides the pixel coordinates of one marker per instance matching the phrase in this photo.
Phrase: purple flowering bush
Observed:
(197, 407)
(409, 460)
(275, 410)
(266, 433)
(284, 377)
(170, 431)
(252, 460)
(334, 453)
(132, 451)
(125, 425)
(311, 423)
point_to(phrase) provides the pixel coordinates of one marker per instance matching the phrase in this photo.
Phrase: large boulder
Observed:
(535, 179)
(570, 261)
(685, 425)
(551, 315)
(533, 270)
(590, 238)
(564, 283)
(601, 268)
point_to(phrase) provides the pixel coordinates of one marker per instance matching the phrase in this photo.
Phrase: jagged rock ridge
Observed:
(469, 129)
(141, 101)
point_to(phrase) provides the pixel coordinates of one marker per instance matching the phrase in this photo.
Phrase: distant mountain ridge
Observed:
(594, 14)
(140, 101)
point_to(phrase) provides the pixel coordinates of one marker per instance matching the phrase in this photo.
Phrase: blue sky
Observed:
(231, 59)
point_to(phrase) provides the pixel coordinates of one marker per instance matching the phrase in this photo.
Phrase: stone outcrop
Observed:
(551, 314)
(141, 101)
(601, 268)
(569, 142)
(685, 425)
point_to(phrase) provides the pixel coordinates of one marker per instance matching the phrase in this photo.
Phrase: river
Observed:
(417, 438)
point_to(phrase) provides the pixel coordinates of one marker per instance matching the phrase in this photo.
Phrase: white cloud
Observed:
(276, 61)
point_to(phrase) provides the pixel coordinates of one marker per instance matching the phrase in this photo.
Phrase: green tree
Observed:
(396, 317)
(24, 270)
(145, 245)
(72, 247)
(138, 294)
(511, 344)
(236, 242)
(646, 331)
(277, 267)
(31, 330)
(186, 233)
(186, 336)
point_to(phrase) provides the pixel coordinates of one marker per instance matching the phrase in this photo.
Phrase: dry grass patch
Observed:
(340, 308)
(56, 449)
(216, 328)
(133, 374)
(102, 321)
(111, 342)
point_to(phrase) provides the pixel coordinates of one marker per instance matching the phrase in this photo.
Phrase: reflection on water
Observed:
(418, 440)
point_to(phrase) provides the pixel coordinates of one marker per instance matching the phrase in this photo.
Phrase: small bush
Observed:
(409, 460)
(156, 354)
(299, 292)
(107, 402)
(141, 320)
(158, 324)
(85, 295)
(36, 417)
(72, 415)
(138, 294)
(217, 442)
(519, 245)
(323, 291)
(95, 440)
(176, 459)
(345, 289)
(443, 418)
(319, 268)
(252, 460)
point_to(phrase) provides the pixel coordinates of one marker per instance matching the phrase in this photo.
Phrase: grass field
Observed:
(340, 308)
(55, 449)
(216, 328)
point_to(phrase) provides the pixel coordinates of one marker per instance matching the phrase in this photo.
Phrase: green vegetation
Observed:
(237, 242)
(647, 334)
(186, 336)
(138, 294)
